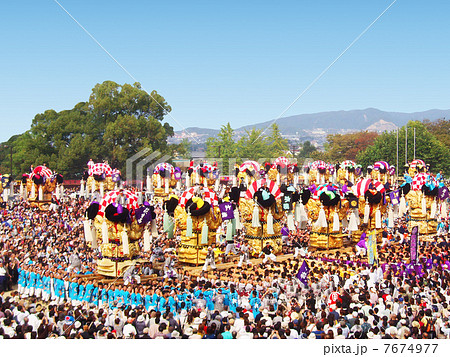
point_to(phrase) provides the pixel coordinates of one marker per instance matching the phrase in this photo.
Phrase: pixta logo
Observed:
(141, 163)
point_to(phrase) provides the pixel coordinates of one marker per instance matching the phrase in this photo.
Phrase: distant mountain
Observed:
(347, 120)
(317, 126)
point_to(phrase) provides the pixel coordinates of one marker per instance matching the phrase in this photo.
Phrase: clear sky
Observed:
(219, 61)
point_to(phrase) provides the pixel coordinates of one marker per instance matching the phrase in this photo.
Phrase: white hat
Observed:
(175, 334)
(202, 315)
(140, 318)
(77, 324)
(188, 331)
(370, 335)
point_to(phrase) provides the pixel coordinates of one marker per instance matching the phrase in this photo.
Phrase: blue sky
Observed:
(214, 62)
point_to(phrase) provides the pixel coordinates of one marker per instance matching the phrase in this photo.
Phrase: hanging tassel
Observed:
(336, 225)
(189, 226)
(94, 244)
(216, 185)
(147, 240)
(148, 183)
(188, 181)
(352, 225)
(396, 212)
(443, 210)
(270, 223)
(57, 192)
(295, 179)
(297, 212)
(255, 216)
(166, 222)
(21, 189)
(33, 191)
(154, 229)
(246, 181)
(222, 192)
(234, 181)
(402, 206)
(322, 219)
(105, 238)
(433, 209)
(82, 188)
(424, 206)
(237, 219)
(204, 232)
(317, 178)
(179, 185)
(158, 180)
(366, 212)
(229, 235)
(377, 219)
(41, 193)
(171, 228)
(205, 182)
(25, 192)
(290, 221)
(87, 231)
(125, 243)
(233, 226)
(391, 218)
(102, 189)
(166, 185)
(62, 191)
(303, 215)
(344, 223)
(306, 178)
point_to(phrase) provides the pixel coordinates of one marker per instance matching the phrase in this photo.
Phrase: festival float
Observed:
(423, 203)
(283, 171)
(327, 209)
(40, 185)
(382, 171)
(6, 187)
(261, 211)
(100, 178)
(348, 171)
(164, 180)
(417, 166)
(203, 174)
(198, 217)
(318, 173)
(248, 172)
(372, 205)
(116, 225)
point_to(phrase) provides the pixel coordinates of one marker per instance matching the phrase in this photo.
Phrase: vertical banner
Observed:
(303, 273)
(414, 244)
(372, 253)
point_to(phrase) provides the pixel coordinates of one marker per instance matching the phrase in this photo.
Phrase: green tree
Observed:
(223, 146)
(116, 122)
(439, 128)
(428, 148)
(253, 146)
(307, 150)
(277, 145)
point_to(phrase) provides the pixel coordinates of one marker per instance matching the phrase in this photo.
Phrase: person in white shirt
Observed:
(129, 331)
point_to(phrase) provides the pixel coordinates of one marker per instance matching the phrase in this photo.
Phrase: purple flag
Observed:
(395, 199)
(226, 210)
(303, 272)
(414, 243)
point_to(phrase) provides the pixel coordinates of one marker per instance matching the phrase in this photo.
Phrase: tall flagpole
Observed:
(414, 143)
(396, 167)
(406, 144)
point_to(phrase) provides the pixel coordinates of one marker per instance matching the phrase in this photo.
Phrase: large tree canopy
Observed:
(116, 122)
(428, 148)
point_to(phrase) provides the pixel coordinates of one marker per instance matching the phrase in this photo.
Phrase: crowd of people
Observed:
(49, 287)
